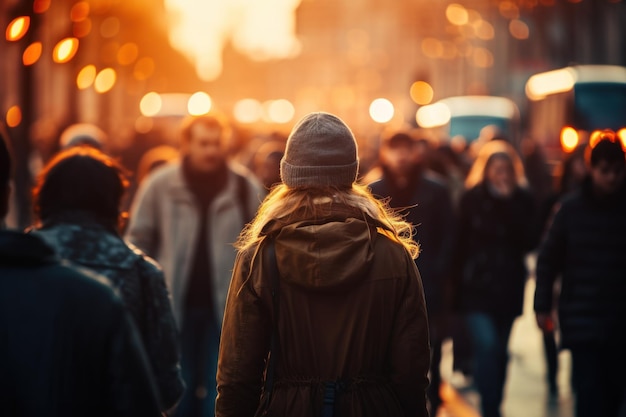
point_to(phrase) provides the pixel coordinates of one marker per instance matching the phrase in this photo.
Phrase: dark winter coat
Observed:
(428, 208)
(68, 348)
(494, 236)
(140, 283)
(586, 246)
(351, 308)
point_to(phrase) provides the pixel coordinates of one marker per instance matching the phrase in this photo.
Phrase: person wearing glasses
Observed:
(585, 245)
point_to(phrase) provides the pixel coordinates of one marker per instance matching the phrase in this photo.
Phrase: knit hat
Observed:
(321, 151)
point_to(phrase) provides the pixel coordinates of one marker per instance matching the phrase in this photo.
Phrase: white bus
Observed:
(467, 116)
(566, 105)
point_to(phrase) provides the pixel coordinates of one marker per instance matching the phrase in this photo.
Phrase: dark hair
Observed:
(209, 121)
(81, 178)
(606, 147)
(5, 172)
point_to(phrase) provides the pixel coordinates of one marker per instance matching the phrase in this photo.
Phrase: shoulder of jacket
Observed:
(164, 174)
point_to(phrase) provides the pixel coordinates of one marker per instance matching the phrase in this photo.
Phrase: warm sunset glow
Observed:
(86, 77)
(65, 50)
(433, 115)
(14, 116)
(421, 92)
(456, 14)
(569, 139)
(105, 80)
(381, 110)
(199, 103)
(17, 28)
(247, 110)
(32, 53)
(150, 104)
(261, 30)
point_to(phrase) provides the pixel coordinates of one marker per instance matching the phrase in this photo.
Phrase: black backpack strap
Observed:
(272, 269)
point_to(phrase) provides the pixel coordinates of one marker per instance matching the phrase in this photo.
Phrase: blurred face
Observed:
(607, 178)
(401, 158)
(205, 149)
(499, 174)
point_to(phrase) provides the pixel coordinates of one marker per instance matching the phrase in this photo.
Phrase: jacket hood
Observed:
(328, 254)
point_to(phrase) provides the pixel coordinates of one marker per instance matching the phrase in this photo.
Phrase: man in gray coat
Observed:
(187, 215)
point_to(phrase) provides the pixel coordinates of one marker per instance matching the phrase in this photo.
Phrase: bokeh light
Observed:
(421, 92)
(79, 11)
(381, 110)
(482, 57)
(82, 28)
(105, 80)
(456, 14)
(144, 68)
(150, 104)
(110, 27)
(484, 30)
(86, 77)
(519, 29)
(17, 28)
(278, 111)
(199, 103)
(508, 9)
(247, 110)
(14, 116)
(432, 48)
(65, 50)
(32, 53)
(569, 139)
(127, 54)
(41, 6)
(433, 115)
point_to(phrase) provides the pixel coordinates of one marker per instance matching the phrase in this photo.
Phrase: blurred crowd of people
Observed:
(134, 325)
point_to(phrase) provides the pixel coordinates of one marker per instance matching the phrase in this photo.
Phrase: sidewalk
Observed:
(526, 391)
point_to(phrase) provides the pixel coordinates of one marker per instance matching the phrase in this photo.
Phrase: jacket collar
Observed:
(22, 249)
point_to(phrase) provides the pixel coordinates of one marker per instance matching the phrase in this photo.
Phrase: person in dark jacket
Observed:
(77, 201)
(348, 316)
(68, 347)
(496, 231)
(585, 245)
(425, 202)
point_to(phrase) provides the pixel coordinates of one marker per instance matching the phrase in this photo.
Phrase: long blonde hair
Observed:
(283, 201)
(476, 174)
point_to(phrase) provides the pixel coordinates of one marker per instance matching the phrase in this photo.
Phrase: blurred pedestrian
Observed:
(69, 348)
(267, 162)
(571, 173)
(187, 214)
(77, 202)
(585, 245)
(496, 231)
(424, 201)
(338, 304)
